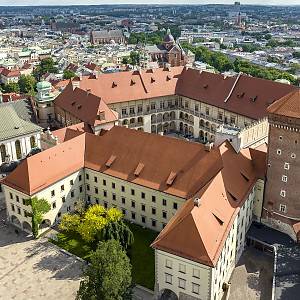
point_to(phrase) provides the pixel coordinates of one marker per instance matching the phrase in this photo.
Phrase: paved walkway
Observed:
(252, 277)
(35, 269)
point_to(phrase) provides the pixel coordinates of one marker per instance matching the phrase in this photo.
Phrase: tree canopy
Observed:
(27, 84)
(46, 65)
(68, 74)
(11, 87)
(108, 277)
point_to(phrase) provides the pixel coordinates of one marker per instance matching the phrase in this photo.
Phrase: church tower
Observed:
(169, 40)
(282, 194)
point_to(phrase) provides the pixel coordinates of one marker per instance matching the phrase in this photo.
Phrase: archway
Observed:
(18, 149)
(32, 142)
(159, 128)
(132, 121)
(153, 129)
(140, 120)
(172, 115)
(153, 119)
(15, 220)
(26, 226)
(166, 128)
(181, 127)
(45, 224)
(166, 117)
(159, 118)
(167, 294)
(3, 152)
(201, 123)
(125, 122)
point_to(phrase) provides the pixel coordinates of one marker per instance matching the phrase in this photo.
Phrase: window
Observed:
(293, 155)
(72, 194)
(182, 268)
(80, 178)
(124, 111)
(282, 193)
(175, 206)
(105, 204)
(123, 188)
(124, 211)
(153, 211)
(207, 111)
(87, 176)
(278, 151)
(17, 198)
(286, 166)
(164, 214)
(96, 190)
(195, 288)
(105, 193)
(132, 192)
(24, 201)
(97, 200)
(153, 199)
(71, 182)
(63, 199)
(133, 204)
(282, 208)
(280, 137)
(168, 264)
(168, 278)
(80, 189)
(284, 178)
(123, 200)
(181, 283)
(133, 215)
(19, 210)
(113, 185)
(62, 187)
(114, 196)
(52, 193)
(11, 196)
(140, 108)
(12, 207)
(196, 273)
(104, 182)
(87, 187)
(59, 215)
(95, 179)
(232, 119)
(143, 219)
(143, 207)
(153, 223)
(220, 116)
(143, 195)
(164, 202)
(54, 205)
(131, 110)
(196, 107)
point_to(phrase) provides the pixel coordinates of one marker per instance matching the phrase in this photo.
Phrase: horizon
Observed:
(26, 3)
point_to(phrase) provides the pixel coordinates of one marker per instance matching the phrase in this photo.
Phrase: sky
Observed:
(86, 2)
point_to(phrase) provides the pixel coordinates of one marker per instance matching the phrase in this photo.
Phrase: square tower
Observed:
(282, 194)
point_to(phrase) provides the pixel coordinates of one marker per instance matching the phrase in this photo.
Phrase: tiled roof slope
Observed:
(245, 95)
(288, 105)
(250, 97)
(199, 233)
(181, 169)
(84, 105)
(45, 168)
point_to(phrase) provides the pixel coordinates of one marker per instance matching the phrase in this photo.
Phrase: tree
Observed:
(46, 66)
(125, 60)
(11, 87)
(39, 207)
(69, 222)
(134, 58)
(27, 84)
(108, 277)
(68, 74)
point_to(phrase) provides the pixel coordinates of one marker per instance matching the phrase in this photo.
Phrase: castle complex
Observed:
(234, 160)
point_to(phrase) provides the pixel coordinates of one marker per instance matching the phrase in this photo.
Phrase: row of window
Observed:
(182, 283)
(62, 187)
(281, 138)
(123, 199)
(279, 152)
(182, 268)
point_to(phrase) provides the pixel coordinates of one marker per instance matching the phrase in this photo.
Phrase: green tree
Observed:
(39, 207)
(11, 87)
(27, 84)
(134, 58)
(108, 277)
(125, 60)
(68, 74)
(46, 66)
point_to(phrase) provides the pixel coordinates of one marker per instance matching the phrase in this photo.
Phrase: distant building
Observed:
(168, 53)
(71, 27)
(107, 37)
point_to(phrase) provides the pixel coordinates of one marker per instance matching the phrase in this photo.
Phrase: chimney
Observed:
(197, 202)
(75, 84)
(208, 146)
(88, 91)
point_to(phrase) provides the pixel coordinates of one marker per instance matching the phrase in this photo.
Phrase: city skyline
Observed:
(167, 2)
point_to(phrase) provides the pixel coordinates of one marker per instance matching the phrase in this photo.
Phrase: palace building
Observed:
(235, 160)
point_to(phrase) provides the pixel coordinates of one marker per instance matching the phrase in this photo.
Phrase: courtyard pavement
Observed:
(35, 269)
(252, 277)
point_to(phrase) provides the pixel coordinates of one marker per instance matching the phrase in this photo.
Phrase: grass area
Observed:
(141, 255)
(74, 244)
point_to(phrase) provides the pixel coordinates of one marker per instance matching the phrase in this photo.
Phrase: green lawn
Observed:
(141, 255)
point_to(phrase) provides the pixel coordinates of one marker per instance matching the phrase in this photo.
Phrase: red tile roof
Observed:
(288, 105)
(10, 73)
(199, 232)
